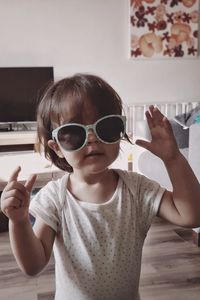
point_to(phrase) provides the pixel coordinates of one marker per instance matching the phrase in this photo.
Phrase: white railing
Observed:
(135, 113)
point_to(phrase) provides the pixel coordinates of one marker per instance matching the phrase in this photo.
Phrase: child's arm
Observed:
(32, 250)
(182, 205)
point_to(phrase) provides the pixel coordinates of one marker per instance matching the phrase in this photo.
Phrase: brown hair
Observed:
(66, 98)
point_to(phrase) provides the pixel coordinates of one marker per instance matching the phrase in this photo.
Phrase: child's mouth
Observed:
(93, 154)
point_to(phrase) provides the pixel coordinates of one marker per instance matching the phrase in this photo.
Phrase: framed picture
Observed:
(164, 28)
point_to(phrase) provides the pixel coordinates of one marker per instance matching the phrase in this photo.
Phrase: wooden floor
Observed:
(171, 264)
(170, 269)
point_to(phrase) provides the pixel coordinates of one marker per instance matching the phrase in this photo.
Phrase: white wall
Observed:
(91, 36)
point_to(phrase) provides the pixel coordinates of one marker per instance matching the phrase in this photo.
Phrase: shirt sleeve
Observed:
(146, 195)
(45, 204)
(149, 198)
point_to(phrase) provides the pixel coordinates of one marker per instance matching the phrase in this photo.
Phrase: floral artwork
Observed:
(164, 29)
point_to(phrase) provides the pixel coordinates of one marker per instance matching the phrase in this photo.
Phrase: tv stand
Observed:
(10, 128)
(11, 141)
(6, 128)
(18, 126)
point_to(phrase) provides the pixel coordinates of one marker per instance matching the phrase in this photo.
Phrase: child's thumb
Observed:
(30, 182)
(143, 144)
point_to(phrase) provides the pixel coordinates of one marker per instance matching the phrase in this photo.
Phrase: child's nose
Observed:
(92, 138)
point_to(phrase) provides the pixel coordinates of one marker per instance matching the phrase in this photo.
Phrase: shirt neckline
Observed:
(97, 205)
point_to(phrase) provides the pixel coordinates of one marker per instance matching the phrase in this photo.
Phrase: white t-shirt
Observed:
(98, 247)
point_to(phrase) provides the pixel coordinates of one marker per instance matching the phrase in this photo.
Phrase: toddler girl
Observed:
(95, 218)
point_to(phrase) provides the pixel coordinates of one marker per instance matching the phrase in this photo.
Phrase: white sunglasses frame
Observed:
(87, 128)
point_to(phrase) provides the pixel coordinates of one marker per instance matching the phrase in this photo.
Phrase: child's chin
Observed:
(96, 169)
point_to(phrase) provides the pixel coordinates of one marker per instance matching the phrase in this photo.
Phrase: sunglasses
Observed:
(73, 136)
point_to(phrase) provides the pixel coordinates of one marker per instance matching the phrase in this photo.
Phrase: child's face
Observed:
(95, 156)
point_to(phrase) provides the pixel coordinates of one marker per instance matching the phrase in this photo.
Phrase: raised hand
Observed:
(163, 143)
(16, 196)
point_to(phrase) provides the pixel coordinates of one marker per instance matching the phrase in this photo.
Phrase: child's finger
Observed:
(157, 116)
(13, 202)
(14, 193)
(143, 144)
(167, 125)
(149, 120)
(30, 182)
(15, 174)
(151, 108)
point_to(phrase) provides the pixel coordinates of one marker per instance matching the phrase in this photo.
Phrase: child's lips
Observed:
(94, 154)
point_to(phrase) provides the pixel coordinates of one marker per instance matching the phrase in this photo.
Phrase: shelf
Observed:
(17, 138)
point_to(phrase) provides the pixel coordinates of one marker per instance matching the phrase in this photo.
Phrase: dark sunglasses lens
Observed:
(110, 129)
(71, 137)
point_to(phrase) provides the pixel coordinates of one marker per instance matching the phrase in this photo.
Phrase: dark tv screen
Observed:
(21, 89)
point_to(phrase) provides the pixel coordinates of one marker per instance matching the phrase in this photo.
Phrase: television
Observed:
(21, 89)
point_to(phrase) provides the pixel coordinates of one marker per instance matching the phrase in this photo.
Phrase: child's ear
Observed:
(54, 146)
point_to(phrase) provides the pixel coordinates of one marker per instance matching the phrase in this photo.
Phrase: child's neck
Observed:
(97, 188)
(93, 178)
